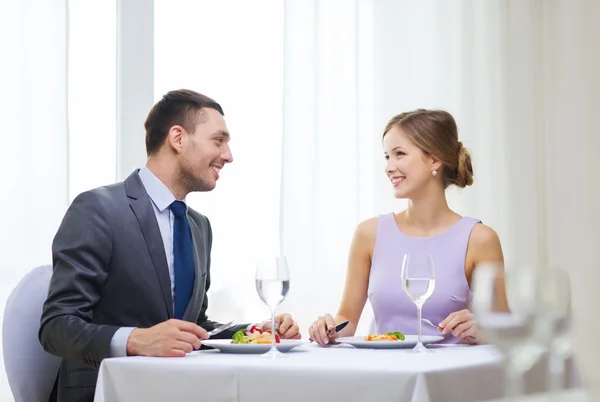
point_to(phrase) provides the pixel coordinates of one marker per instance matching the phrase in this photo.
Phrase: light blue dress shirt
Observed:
(161, 198)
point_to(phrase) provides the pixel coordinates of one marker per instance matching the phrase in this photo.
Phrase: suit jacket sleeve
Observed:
(203, 320)
(81, 253)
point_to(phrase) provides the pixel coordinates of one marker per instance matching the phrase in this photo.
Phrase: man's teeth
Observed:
(216, 169)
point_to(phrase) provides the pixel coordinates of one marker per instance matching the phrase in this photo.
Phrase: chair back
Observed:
(31, 371)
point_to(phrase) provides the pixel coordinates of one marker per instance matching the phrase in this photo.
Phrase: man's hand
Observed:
(172, 338)
(286, 327)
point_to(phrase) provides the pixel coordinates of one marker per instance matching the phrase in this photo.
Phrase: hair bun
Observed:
(465, 167)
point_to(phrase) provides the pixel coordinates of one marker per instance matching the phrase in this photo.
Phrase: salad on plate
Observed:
(388, 336)
(254, 335)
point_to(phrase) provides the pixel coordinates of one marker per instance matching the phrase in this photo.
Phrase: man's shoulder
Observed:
(104, 195)
(198, 217)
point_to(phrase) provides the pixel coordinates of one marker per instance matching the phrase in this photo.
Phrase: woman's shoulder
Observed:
(485, 243)
(367, 229)
(483, 234)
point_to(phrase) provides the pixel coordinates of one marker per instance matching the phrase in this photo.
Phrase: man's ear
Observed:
(175, 138)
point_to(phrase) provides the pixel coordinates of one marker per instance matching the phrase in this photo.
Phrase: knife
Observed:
(339, 327)
(222, 328)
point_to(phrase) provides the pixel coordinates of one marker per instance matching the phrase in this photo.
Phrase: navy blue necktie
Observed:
(183, 258)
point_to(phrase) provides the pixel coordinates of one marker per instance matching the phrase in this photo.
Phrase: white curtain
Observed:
(242, 69)
(479, 61)
(571, 93)
(34, 133)
(520, 77)
(328, 140)
(349, 68)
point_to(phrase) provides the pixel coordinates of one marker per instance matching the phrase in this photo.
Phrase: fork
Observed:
(426, 321)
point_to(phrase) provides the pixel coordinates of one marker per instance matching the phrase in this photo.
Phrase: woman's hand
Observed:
(462, 325)
(322, 330)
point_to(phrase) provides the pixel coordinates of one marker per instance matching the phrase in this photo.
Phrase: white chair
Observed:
(31, 371)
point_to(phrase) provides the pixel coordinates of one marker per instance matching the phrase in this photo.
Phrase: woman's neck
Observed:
(429, 211)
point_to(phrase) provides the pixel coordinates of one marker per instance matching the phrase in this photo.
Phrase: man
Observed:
(132, 261)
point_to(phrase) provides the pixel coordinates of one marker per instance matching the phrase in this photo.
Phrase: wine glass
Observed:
(272, 285)
(553, 330)
(418, 282)
(511, 330)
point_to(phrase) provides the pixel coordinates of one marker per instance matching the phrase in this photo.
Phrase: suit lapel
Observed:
(142, 208)
(193, 308)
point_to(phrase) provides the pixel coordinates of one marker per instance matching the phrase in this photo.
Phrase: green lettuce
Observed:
(238, 337)
(398, 335)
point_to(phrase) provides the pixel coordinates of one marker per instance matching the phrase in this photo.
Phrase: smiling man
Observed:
(132, 261)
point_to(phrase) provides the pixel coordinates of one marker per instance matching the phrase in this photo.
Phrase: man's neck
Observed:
(167, 175)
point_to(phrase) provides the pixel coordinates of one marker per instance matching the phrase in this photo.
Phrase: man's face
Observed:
(204, 152)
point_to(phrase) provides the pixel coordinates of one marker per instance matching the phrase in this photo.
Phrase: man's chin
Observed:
(205, 185)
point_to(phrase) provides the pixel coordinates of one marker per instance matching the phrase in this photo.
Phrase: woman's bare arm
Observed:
(484, 247)
(357, 277)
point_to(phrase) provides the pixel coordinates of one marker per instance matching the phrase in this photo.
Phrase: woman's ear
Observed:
(436, 164)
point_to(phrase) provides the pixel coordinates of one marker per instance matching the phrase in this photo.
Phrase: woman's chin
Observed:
(400, 194)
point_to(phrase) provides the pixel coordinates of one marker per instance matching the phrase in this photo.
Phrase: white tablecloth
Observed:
(578, 395)
(460, 373)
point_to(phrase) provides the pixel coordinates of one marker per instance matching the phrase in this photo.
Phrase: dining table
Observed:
(453, 373)
(571, 395)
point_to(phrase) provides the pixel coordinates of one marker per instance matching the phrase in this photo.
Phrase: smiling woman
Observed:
(424, 157)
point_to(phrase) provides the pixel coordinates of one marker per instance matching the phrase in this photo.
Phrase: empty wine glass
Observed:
(418, 282)
(553, 329)
(272, 285)
(510, 330)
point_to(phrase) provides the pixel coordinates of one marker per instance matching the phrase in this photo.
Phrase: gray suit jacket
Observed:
(110, 271)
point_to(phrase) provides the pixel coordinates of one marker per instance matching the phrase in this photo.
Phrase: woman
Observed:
(424, 157)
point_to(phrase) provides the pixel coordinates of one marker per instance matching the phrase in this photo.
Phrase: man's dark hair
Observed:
(181, 107)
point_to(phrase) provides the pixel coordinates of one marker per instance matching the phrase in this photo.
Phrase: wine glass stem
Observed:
(419, 316)
(514, 381)
(557, 371)
(273, 331)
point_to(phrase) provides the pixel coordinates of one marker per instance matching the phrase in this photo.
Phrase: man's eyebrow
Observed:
(223, 133)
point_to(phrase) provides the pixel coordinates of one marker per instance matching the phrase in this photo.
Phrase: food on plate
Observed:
(254, 335)
(389, 336)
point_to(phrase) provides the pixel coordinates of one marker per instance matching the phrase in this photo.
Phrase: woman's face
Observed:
(408, 168)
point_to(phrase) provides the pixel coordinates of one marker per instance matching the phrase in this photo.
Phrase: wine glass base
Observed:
(273, 353)
(420, 348)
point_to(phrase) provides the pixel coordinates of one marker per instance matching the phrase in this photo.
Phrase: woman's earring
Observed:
(434, 173)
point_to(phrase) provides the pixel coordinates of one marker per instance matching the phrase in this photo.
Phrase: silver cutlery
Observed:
(337, 328)
(221, 328)
(426, 321)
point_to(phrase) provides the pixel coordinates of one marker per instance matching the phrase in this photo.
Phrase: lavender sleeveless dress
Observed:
(393, 310)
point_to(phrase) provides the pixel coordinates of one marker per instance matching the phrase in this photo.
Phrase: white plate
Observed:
(409, 342)
(225, 346)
